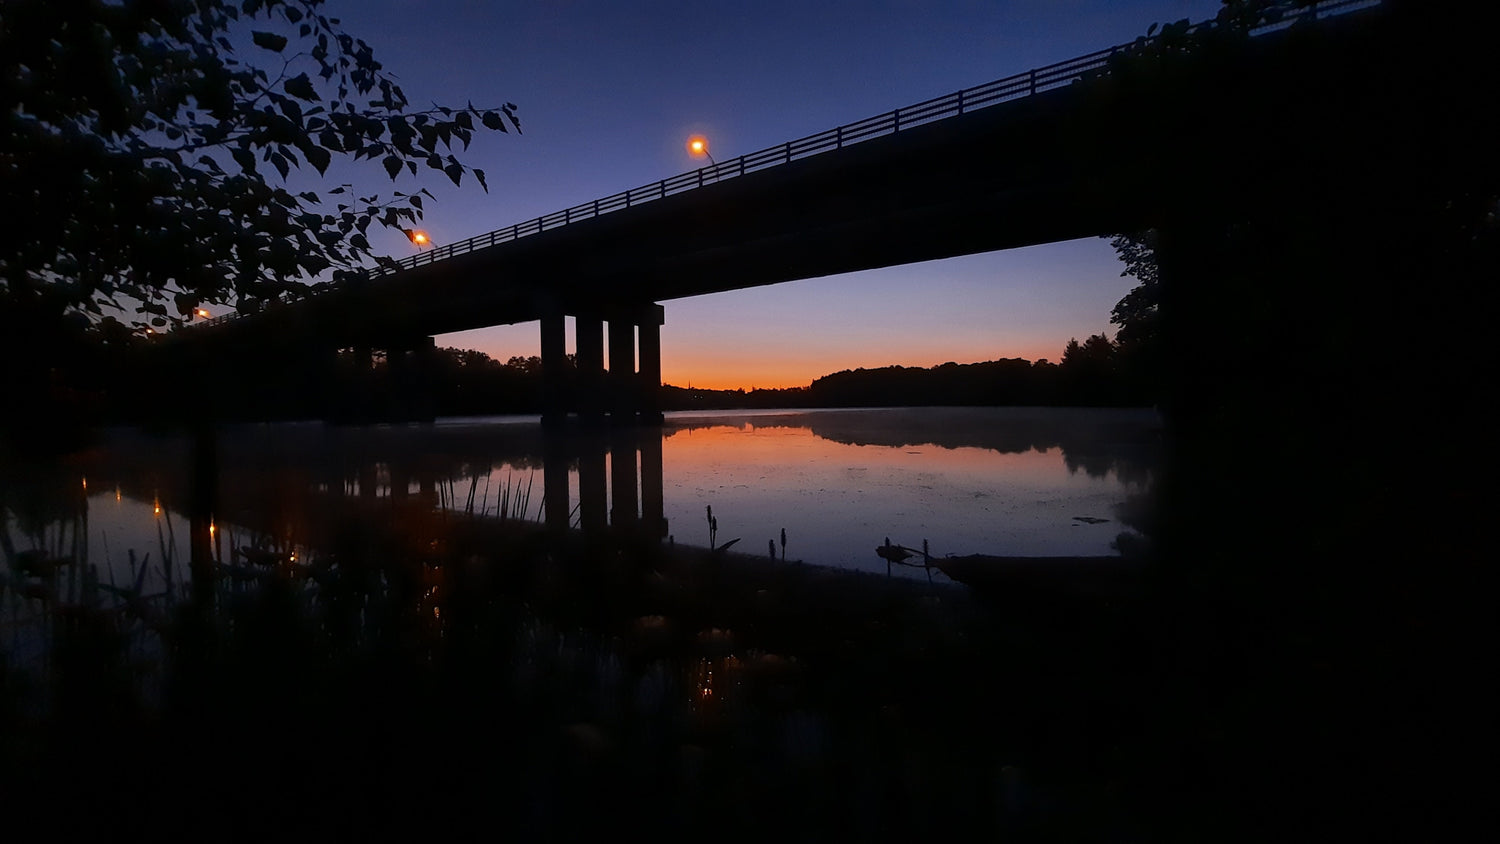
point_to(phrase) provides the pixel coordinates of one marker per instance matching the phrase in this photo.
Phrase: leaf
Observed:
(301, 87)
(279, 161)
(492, 120)
(416, 201)
(318, 157)
(392, 166)
(479, 174)
(245, 158)
(455, 172)
(269, 40)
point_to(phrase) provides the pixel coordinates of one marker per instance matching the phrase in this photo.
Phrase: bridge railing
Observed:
(1019, 86)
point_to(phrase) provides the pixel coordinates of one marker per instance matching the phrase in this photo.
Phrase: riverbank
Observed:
(550, 689)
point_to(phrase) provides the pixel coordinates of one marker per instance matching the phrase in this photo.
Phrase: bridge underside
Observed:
(1305, 124)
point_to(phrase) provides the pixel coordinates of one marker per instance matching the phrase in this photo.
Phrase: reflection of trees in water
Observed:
(1096, 442)
(1125, 443)
(1132, 464)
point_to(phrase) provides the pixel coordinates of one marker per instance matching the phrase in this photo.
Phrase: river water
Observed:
(838, 483)
(1012, 482)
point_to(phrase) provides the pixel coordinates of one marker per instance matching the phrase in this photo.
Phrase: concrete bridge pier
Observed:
(555, 391)
(635, 394)
(648, 380)
(589, 330)
(408, 372)
(621, 385)
(629, 395)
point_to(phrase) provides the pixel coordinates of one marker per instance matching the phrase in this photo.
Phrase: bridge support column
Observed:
(621, 370)
(357, 407)
(409, 365)
(590, 334)
(554, 370)
(424, 372)
(649, 380)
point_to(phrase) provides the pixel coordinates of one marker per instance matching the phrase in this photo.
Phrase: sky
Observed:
(608, 93)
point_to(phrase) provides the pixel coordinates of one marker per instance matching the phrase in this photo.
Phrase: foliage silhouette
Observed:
(142, 136)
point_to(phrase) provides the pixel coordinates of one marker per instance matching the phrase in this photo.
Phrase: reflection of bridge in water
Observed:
(303, 483)
(293, 483)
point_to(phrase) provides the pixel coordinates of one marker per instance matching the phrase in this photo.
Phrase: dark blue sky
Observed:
(609, 91)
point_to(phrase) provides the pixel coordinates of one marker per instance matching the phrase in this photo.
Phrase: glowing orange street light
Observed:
(698, 145)
(420, 238)
(202, 312)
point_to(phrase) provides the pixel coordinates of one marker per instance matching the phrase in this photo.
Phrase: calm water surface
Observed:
(1003, 481)
(992, 481)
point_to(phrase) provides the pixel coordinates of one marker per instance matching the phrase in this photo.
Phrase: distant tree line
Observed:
(1093, 373)
(99, 375)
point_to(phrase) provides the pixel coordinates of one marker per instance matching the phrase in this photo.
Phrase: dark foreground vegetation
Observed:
(432, 674)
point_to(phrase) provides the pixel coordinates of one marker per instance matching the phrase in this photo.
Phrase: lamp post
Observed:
(419, 238)
(698, 145)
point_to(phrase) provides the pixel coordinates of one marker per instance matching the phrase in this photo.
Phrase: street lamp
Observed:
(698, 145)
(419, 238)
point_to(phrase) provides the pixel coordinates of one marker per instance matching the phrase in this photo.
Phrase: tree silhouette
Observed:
(1138, 343)
(140, 144)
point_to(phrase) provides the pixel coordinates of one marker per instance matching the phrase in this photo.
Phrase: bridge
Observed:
(1061, 152)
